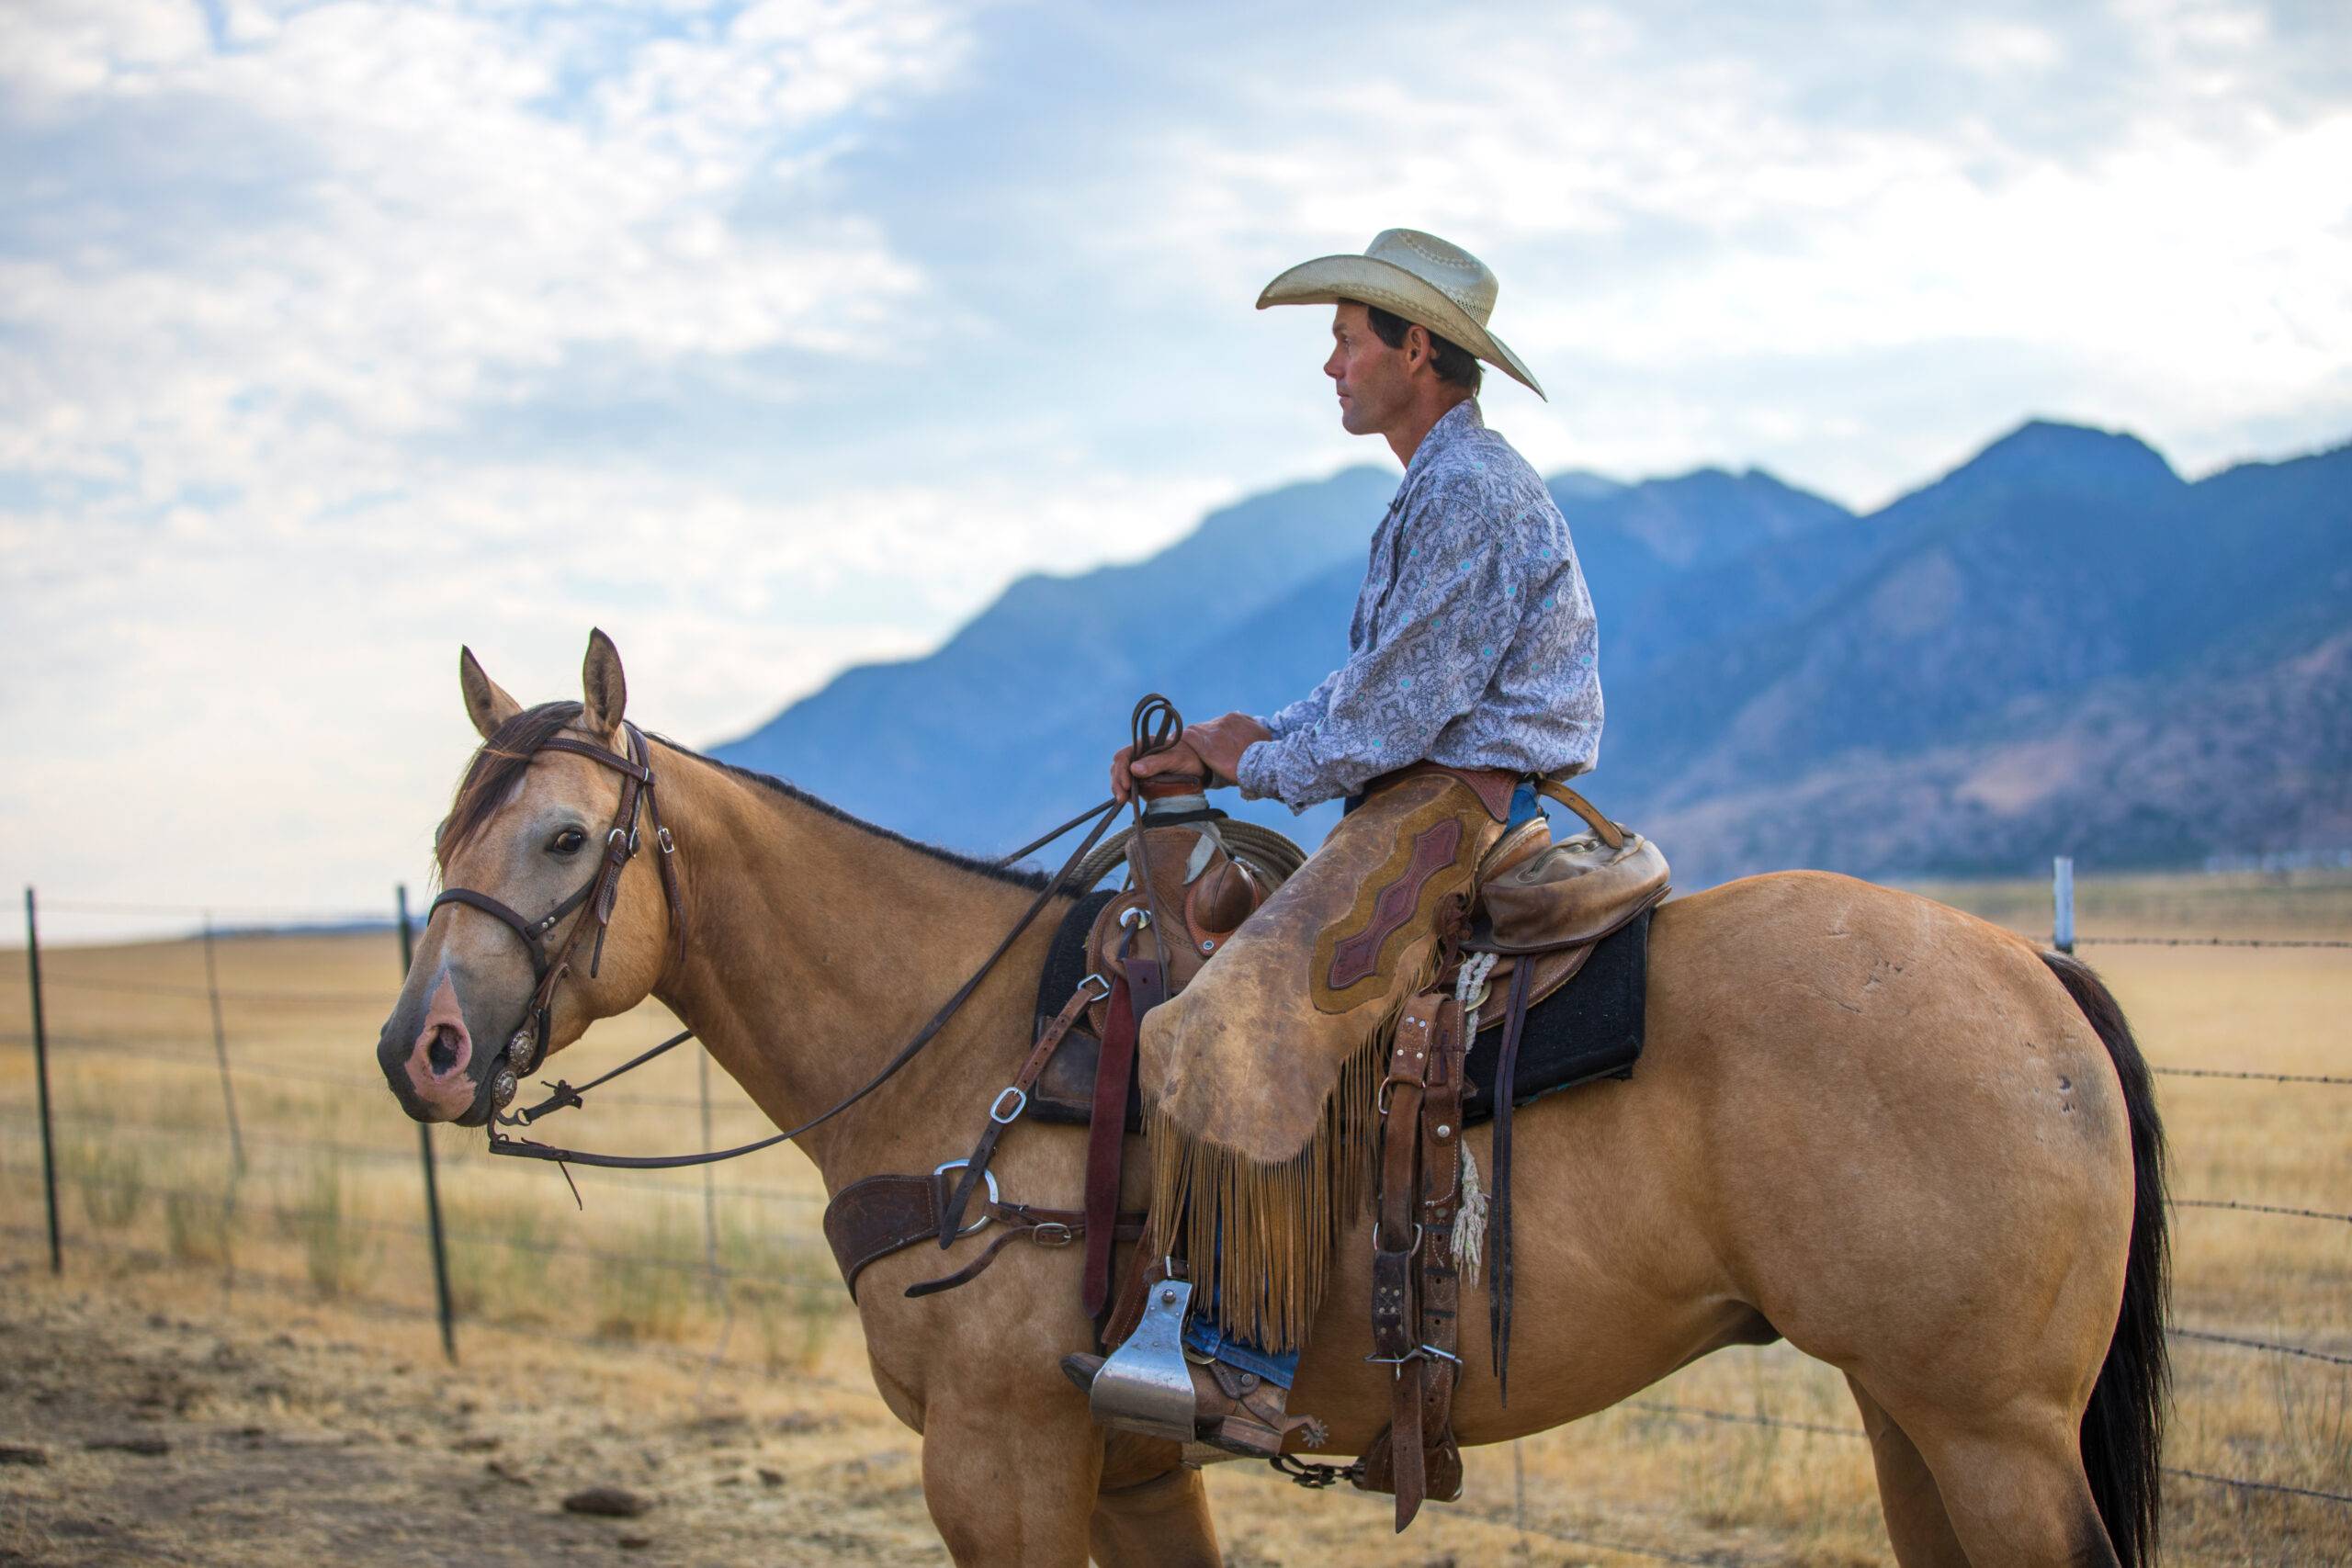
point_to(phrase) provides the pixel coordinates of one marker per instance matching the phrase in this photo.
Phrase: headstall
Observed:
(528, 1046)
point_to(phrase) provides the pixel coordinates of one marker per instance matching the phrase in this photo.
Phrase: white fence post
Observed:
(2061, 900)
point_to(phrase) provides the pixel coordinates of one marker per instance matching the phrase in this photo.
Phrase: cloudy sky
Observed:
(775, 336)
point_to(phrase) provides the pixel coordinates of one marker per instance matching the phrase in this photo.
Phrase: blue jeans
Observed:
(1205, 1338)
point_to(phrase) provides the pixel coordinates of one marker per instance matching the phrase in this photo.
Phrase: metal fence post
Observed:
(710, 1182)
(221, 1049)
(2062, 902)
(1518, 1497)
(432, 1183)
(40, 1073)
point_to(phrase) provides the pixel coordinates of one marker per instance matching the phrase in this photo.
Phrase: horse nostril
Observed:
(442, 1054)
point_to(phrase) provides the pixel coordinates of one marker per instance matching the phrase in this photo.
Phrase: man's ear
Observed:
(487, 703)
(604, 694)
(1418, 348)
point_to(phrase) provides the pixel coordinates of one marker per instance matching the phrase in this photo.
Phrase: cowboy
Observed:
(1472, 647)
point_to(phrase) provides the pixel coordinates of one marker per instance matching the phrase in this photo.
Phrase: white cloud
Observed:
(2146, 229)
(241, 553)
(780, 335)
(212, 673)
(452, 223)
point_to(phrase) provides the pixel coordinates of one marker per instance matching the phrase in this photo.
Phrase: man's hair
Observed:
(1450, 360)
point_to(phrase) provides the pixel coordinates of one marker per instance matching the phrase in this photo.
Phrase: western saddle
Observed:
(1193, 877)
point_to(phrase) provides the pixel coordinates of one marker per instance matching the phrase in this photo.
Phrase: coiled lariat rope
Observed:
(1262, 847)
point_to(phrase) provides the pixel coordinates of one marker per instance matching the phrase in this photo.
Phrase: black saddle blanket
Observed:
(1590, 1027)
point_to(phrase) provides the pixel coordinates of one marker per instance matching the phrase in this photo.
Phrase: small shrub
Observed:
(787, 1290)
(644, 1290)
(112, 1175)
(500, 1267)
(338, 1255)
(197, 1227)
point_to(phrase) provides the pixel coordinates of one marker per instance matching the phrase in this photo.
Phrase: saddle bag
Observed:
(1574, 893)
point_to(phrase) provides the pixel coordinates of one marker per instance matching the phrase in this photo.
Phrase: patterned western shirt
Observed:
(1472, 642)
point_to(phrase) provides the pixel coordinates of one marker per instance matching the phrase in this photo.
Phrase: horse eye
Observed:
(567, 842)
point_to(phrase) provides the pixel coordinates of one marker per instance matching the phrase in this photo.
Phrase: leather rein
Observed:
(528, 1046)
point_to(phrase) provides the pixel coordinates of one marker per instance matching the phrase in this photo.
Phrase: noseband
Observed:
(528, 1047)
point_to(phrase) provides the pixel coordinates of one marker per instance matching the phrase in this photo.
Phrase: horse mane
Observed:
(503, 760)
(957, 857)
(495, 770)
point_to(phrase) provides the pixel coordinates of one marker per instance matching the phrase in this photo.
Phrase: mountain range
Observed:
(2060, 647)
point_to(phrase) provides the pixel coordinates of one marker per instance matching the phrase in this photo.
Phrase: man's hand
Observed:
(1212, 747)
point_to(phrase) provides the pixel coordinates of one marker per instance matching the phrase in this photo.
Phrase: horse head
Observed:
(550, 918)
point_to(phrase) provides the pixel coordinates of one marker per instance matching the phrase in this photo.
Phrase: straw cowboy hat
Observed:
(1418, 277)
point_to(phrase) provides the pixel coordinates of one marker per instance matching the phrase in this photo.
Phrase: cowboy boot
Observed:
(1234, 1410)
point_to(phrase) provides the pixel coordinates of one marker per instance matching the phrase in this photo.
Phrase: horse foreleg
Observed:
(1011, 1483)
(1916, 1524)
(1162, 1519)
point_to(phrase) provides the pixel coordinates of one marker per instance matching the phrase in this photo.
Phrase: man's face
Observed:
(1370, 376)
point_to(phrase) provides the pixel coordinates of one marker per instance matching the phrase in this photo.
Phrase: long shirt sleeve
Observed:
(1473, 643)
(1305, 711)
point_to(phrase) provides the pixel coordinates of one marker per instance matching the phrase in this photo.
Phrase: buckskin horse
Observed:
(1899, 1137)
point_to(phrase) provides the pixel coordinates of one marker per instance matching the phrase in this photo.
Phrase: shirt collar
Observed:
(1454, 424)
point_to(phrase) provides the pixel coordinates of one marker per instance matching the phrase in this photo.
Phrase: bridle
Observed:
(1155, 727)
(528, 1046)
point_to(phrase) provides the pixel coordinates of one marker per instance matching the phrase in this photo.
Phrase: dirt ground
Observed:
(198, 1436)
(138, 1428)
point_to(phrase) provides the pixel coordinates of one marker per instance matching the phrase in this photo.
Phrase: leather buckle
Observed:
(1052, 1233)
(997, 1112)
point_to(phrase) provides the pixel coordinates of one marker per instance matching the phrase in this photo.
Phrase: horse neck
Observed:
(817, 946)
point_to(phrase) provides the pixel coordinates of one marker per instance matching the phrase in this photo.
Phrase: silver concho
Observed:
(518, 1050)
(502, 1089)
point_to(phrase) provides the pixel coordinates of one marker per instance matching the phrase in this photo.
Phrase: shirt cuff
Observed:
(1255, 772)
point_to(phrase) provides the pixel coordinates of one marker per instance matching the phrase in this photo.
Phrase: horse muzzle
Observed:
(434, 1067)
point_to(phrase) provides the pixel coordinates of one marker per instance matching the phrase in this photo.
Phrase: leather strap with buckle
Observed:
(1010, 1101)
(869, 1219)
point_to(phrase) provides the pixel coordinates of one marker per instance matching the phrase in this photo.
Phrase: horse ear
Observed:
(487, 703)
(603, 693)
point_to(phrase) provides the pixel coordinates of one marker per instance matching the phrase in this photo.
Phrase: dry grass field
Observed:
(270, 1330)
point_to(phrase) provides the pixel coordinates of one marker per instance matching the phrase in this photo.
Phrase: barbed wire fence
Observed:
(244, 1133)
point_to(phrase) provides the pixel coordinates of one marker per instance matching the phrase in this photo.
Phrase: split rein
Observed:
(1155, 727)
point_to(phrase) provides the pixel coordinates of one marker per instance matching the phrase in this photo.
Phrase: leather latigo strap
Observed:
(869, 1219)
(1107, 1139)
(1498, 1258)
(1009, 1103)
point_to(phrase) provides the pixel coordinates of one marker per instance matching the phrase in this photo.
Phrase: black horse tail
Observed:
(2122, 1437)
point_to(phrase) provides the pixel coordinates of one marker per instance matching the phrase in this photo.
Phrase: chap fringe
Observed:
(1260, 1238)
